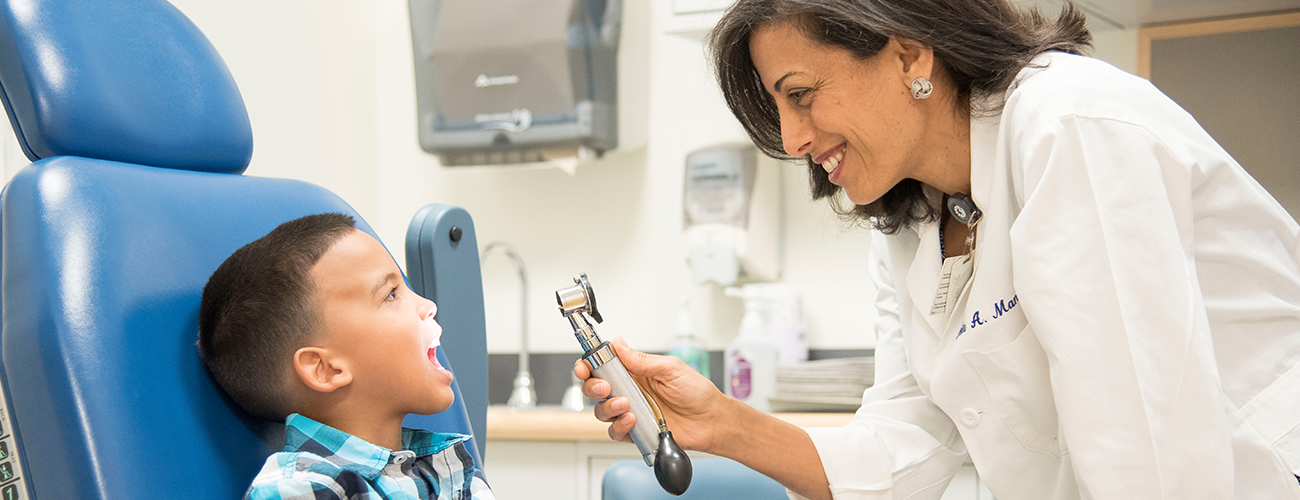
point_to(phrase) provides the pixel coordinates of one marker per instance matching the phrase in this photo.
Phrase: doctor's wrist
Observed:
(731, 427)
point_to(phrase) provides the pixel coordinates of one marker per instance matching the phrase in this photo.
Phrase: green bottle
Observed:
(686, 346)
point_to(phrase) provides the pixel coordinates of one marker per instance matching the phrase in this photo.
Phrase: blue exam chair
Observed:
(138, 136)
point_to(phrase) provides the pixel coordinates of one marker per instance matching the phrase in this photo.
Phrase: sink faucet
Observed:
(523, 396)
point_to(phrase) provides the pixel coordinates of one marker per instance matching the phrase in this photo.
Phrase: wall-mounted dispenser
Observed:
(732, 215)
(516, 81)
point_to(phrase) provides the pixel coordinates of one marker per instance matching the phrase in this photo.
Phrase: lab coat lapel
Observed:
(983, 159)
(923, 278)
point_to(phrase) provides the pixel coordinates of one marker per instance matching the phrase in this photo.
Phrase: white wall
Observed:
(1117, 46)
(329, 87)
(306, 72)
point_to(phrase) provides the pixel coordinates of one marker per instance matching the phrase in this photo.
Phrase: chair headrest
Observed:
(124, 80)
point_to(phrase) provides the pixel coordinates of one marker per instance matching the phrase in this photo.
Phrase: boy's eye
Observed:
(392, 294)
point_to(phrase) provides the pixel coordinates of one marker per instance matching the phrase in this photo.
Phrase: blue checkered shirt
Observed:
(321, 462)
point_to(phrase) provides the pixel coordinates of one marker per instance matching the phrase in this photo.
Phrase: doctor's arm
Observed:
(899, 443)
(1102, 264)
(702, 418)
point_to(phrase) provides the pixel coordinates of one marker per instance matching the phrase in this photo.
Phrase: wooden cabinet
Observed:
(552, 469)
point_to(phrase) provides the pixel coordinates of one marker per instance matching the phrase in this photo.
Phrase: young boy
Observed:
(313, 325)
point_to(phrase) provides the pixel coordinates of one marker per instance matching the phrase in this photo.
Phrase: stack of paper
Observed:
(823, 385)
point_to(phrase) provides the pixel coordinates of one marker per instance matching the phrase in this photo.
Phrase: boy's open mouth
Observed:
(431, 329)
(433, 358)
(433, 354)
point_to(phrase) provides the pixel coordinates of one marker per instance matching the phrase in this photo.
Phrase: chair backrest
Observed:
(442, 264)
(138, 135)
(712, 478)
(124, 80)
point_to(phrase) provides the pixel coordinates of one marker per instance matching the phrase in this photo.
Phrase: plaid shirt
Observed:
(321, 462)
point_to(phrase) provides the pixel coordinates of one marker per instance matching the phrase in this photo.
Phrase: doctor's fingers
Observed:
(595, 388)
(620, 429)
(648, 366)
(610, 409)
(581, 369)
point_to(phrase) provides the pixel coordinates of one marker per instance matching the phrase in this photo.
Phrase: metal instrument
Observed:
(650, 433)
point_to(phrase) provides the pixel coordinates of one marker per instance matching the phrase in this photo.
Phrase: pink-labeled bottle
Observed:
(738, 381)
(751, 358)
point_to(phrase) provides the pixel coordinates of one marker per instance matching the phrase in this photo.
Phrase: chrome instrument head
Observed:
(578, 298)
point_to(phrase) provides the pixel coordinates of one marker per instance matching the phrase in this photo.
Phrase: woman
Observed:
(1109, 309)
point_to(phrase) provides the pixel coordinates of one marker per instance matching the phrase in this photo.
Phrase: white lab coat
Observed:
(1131, 330)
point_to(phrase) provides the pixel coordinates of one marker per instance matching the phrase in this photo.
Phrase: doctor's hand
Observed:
(692, 406)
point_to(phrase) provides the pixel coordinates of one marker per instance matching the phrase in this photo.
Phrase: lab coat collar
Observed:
(983, 158)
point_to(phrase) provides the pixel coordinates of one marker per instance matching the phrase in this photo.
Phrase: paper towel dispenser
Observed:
(514, 81)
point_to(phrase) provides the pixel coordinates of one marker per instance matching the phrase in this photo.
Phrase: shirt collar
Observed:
(305, 435)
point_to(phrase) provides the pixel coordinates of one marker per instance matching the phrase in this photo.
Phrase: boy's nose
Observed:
(429, 311)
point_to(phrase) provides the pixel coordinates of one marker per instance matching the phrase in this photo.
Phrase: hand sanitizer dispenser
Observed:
(732, 215)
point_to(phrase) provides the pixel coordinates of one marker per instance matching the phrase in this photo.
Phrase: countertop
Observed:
(556, 424)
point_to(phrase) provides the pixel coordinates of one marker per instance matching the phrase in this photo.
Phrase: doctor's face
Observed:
(855, 117)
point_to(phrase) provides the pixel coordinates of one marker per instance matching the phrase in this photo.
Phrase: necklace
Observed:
(943, 252)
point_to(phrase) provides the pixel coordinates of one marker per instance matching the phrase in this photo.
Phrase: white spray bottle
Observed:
(785, 323)
(751, 358)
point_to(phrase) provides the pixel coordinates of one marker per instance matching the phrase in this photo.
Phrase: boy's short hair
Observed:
(260, 306)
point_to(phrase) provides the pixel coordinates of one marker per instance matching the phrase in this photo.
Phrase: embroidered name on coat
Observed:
(999, 309)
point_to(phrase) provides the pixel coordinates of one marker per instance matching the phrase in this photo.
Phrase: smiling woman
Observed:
(979, 47)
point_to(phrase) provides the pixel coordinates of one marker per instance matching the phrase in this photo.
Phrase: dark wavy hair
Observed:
(979, 45)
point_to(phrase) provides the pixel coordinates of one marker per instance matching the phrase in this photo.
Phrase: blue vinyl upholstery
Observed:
(125, 80)
(104, 262)
(713, 478)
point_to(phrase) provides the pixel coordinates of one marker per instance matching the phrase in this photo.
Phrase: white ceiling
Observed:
(1127, 14)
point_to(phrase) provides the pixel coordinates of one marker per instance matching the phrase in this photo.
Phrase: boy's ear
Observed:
(320, 370)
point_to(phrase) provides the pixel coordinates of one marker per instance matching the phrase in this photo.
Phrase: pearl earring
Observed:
(921, 88)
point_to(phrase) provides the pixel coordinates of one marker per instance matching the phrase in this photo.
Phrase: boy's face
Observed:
(385, 331)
